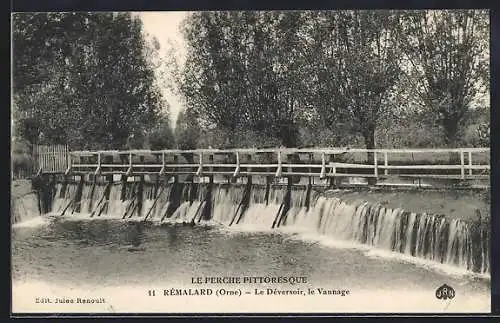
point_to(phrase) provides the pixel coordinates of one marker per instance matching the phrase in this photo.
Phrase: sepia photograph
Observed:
(299, 161)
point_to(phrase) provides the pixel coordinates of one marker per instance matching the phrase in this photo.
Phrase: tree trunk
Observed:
(369, 137)
(451, 130)
(288, 134)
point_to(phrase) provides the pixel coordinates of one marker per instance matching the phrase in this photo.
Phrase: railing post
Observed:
(386, 164)
(200, 167)
(211, 168)
(68, 169)
(278, 171)
(470, 163)
(98, 170)
(162, 170)
(375, 164)
(129, 170)
(310, 161)
(462, 164)
(237, 170)
(323, 166)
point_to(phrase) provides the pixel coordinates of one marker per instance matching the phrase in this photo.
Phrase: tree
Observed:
(357, 73)
(86, 78)
(447, 56)
(360, 68)
(242, 72)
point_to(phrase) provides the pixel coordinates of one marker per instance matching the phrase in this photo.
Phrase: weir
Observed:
(265, 189)
(301, 208)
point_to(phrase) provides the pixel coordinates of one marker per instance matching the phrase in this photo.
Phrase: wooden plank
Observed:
(40, 157)
(332, 165)
(55, 158)
(423, 167)
(323, 166)
(199, 172)
(50, 155)
(61, 158)
(237, 170)
(45, 159)
(38, 162)
(443, 176)
(94, 165)
(386, 164)
(279, 170)
(213, 172)
(49, 159)
(162, 170)
(470, 162)
(462, 165)
(285, 151)
(347, 165)
(68, 159)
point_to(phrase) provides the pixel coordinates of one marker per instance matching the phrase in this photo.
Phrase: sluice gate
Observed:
(274, 189)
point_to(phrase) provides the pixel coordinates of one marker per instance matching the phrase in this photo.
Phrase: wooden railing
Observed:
(460, 163)
(50, 159)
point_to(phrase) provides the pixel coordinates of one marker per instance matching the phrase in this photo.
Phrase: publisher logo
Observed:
(445, 292)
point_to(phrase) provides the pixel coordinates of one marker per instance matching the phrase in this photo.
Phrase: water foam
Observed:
(37, 221)
(422, 239)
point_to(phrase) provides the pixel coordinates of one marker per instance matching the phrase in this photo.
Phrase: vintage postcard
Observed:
(331, 161)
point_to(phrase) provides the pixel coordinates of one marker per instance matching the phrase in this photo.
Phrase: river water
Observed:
(119, 264)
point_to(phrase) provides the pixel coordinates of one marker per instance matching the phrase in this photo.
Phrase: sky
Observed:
(164, 26)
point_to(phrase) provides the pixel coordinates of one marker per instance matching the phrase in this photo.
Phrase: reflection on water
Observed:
(112, 253)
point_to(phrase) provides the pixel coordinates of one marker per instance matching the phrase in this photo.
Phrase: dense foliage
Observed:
(83, 79)
(298, 78)
(358, 78)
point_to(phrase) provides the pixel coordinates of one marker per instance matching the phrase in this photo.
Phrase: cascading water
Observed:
(431, 237)
(24, 208)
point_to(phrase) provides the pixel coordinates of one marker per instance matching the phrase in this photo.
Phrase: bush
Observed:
(28, 129)
(408, 135)
(22, 160)
(161, 136)
(314, 137)
(224, 139)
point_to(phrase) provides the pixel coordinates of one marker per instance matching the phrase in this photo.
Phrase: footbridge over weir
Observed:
(462, 167)
(273, 188)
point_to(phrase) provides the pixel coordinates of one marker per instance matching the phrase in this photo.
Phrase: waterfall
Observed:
(431, 237)
(24, 208)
